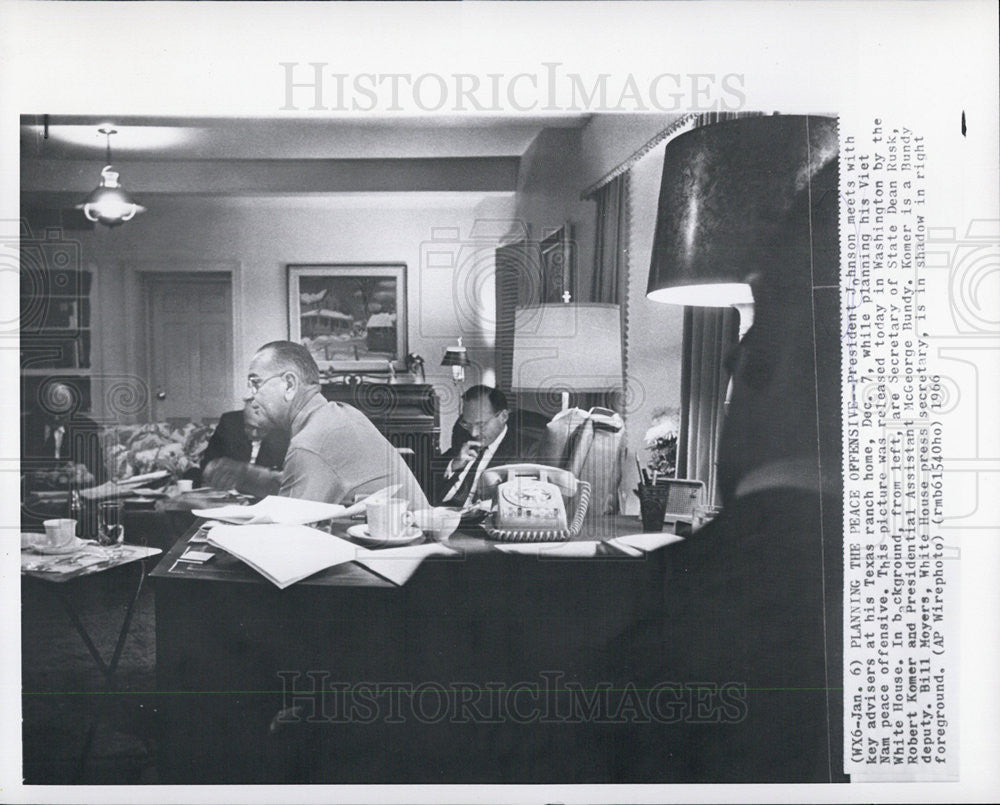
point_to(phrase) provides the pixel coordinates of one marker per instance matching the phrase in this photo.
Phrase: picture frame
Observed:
(352, 316)
(557, 266)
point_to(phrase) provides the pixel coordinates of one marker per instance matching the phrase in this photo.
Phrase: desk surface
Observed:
(226, 568)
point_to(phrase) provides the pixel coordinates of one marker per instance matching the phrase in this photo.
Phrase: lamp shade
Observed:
(455, 356)
(561, 347)
(108, 203)
(734, 207)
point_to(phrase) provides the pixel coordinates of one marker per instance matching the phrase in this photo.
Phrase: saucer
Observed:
(72, 546)
(360, 533)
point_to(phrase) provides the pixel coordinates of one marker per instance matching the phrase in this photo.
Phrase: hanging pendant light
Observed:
(109, 204)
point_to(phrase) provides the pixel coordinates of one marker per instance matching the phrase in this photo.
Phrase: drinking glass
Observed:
(110, 529)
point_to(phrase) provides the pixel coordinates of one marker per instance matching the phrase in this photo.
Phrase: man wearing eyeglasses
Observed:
(483, 436)
(334, 452)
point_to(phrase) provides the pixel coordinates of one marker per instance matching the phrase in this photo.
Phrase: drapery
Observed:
(609, 282)
(709, 336)
(611, 244)
(511, 269)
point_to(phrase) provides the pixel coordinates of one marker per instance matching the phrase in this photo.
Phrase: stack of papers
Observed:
(113, 489)
(283, 554)
(288, 511)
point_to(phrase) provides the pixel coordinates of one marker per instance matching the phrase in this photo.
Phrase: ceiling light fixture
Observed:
(109, 204)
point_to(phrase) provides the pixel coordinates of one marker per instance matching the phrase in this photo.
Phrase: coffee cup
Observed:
(59, 532)
(387, 517)
(185, 485)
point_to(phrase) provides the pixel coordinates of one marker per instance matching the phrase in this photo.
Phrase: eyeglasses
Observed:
(470, 426)
(254, 383)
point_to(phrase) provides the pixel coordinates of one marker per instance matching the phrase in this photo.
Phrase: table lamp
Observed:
(726, 197)
(457, 357)
(567, 347)
(754, 201)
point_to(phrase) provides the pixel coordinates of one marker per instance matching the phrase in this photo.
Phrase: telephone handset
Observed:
(528, 496)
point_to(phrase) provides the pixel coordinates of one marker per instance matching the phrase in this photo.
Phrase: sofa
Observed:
(174, 445)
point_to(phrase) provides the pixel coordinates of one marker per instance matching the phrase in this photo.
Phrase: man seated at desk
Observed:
(245, 455)
(483, 436)
(334, 452)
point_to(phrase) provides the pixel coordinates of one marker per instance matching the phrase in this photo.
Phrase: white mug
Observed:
(185, 485)
(387, 517)
(59, 532)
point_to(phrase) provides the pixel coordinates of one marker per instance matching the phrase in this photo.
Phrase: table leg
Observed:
(106, 668)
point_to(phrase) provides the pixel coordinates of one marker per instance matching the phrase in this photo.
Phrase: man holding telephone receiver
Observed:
(482, 437)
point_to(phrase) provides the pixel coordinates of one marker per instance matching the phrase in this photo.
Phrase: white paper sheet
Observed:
(283, 554)
(644, 542)
(398, 564)
(582, 549)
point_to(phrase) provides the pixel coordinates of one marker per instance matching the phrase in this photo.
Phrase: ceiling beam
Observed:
(262, 177)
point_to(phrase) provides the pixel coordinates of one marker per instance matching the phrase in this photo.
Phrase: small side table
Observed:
(58, 573)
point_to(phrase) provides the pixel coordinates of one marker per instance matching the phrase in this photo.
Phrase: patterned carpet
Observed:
(62, 689)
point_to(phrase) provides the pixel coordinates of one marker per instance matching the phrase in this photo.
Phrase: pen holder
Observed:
(652, 506)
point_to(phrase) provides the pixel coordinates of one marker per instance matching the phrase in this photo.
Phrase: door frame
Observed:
(136, 276)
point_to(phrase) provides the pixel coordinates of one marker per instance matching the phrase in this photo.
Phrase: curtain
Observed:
(609, 282)
(611, 246)
(709, 335)
(510, 270)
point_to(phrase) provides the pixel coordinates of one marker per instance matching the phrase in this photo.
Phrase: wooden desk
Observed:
(228, 642)
(716, 659)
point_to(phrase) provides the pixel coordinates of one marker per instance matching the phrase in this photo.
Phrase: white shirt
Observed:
(57, 435)
(491, 448)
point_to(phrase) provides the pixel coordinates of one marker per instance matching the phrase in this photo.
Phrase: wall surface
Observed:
(255, 239)
(548, 197)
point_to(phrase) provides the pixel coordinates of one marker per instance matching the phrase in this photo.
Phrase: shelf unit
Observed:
(55, 331)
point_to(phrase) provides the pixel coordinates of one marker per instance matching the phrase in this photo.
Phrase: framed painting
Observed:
(351, 317)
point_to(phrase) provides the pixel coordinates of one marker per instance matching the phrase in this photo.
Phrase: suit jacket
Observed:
(509, 451)
(230, 441)
(81, 444)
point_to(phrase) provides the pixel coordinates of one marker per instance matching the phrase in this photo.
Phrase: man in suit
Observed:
(245, 455)
(484, 436)
(55, 438)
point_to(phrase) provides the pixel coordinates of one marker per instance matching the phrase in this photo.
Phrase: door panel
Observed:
(190, 350)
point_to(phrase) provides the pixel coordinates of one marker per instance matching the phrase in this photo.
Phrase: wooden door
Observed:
(189, 344)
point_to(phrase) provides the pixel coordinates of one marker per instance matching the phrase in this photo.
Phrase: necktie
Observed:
(254, 450)
(462, 493)
(57, 438)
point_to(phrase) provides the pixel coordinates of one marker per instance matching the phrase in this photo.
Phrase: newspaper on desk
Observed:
(90, 558)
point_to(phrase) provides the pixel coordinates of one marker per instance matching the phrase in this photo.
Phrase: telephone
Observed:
(530, 501)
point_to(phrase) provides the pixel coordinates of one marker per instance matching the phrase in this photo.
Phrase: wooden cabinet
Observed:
(406, 414)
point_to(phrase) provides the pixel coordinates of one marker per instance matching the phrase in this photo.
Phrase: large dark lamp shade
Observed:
(732, 207)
